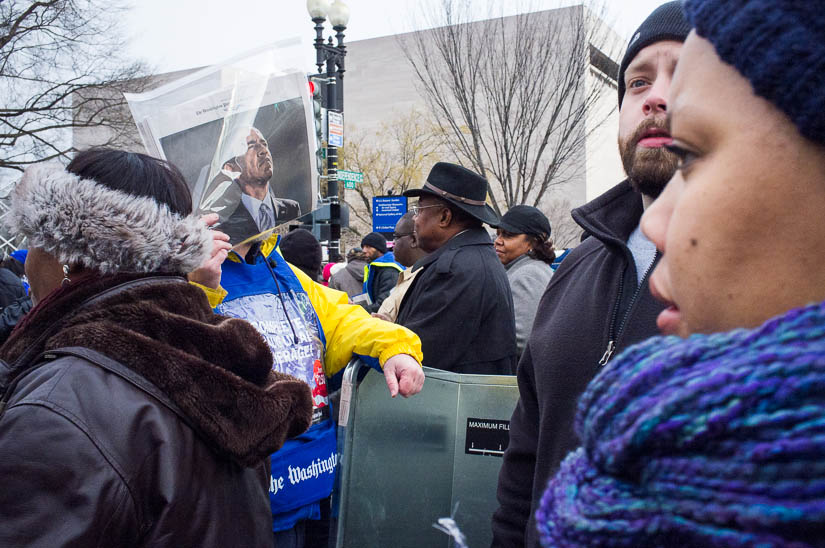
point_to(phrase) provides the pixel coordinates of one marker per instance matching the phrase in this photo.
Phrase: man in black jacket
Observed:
(598, 301)
(460, 303)
(381, 273)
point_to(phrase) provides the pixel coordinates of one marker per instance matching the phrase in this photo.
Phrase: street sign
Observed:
(349, 184)
(386, 210)
(350, 176)
(335, 128)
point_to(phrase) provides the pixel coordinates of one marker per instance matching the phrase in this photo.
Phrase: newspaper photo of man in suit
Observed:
(257, 210)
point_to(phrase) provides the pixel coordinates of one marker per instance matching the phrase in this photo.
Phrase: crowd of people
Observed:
(159, 382)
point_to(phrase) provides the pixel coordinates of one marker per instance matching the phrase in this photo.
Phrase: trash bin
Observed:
(407, 462)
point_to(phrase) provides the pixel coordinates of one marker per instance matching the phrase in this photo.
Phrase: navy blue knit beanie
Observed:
(778, 45)
(376, 240)
(667, 22)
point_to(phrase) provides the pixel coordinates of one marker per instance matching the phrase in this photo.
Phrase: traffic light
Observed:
(316, 86)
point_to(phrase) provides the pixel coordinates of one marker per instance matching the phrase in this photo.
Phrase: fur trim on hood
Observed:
(81, 222)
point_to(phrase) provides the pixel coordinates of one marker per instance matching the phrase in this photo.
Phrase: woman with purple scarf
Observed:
(717, 437)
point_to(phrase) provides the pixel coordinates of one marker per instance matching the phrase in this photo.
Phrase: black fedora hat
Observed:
(460, 187)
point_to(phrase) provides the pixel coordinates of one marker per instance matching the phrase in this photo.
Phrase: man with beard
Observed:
(598, 301)
(257, 210)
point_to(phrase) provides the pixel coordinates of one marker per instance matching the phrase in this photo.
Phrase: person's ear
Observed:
(446, 217)
(413, 241)
(235, 164)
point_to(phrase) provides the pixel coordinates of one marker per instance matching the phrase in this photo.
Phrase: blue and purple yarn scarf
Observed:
(715, 440)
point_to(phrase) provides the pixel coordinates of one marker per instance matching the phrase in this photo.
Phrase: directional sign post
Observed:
(350, 178)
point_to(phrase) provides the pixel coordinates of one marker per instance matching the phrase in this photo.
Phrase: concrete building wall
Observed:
(379, 84)
(604, 167)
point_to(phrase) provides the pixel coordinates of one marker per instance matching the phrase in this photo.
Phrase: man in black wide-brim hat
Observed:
(460, 304)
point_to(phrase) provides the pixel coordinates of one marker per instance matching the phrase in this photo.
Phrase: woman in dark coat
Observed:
(132, 415)
(524, 247)
(715, 438)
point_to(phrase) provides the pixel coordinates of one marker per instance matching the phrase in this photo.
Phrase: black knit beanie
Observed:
(376, 240)
(778, 45)
(300, 248)
(667, 22)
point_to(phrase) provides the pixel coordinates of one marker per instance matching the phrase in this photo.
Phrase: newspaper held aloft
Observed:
(241, 133)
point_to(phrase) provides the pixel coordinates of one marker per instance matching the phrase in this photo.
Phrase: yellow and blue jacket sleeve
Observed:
(349, 329)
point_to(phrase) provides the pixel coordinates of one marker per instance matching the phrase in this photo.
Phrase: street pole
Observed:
(333, 56)
(334, 247)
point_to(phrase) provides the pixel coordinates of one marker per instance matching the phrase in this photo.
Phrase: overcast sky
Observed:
(181, 34)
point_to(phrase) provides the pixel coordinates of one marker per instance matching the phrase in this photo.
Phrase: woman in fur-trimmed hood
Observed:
(131, 414)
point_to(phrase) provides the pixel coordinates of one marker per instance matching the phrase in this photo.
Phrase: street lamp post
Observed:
(333, 56)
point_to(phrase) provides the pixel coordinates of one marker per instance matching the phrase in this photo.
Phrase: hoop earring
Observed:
(66, 279)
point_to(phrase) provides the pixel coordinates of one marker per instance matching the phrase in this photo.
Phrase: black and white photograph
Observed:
(262, 174)
(244, 147)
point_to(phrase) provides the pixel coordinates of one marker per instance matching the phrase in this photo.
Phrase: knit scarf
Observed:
(714, 440)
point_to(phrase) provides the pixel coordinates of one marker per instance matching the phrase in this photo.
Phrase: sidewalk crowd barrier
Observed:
(405, 463)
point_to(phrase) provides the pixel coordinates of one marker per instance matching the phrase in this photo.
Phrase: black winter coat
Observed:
(12, 314)
(11, 287)
(155, 434)
(385, 279)
(593, 298)
(462, 309)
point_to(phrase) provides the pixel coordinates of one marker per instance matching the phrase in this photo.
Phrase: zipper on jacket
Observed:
(614, 336)
(611, 343)
(611, 347)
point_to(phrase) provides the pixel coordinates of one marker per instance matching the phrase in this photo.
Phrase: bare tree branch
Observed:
(61, 69)
(564, 231)
(395, 158)
(509, 95)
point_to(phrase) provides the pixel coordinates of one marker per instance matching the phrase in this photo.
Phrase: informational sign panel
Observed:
(486, 436)
(336, 128)
(386, 210)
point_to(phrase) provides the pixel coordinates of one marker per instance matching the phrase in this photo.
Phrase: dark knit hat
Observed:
(300, 248)
(525, 219)
(667, 22)
(778, 46)
(376, 240)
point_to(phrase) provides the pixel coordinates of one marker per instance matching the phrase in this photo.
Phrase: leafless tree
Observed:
(564, 231)
(510, 95)
(62, 67)
(395, 158)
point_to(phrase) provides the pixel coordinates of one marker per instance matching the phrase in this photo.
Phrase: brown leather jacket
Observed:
(144, 420)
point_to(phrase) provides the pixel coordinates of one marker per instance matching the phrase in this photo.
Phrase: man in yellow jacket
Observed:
(313, 333)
